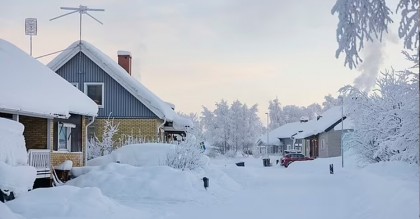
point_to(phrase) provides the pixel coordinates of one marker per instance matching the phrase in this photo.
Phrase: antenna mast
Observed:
(82, 10)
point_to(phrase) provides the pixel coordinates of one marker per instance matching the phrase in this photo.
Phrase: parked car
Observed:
(289, 158)
(291, 151)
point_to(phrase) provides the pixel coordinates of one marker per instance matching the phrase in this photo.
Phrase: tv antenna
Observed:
(82, 10)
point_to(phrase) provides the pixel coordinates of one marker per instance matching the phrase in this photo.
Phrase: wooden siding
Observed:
(118, 100)
(332, 144)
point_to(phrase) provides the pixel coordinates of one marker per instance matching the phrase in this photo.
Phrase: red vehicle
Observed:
(289, 158)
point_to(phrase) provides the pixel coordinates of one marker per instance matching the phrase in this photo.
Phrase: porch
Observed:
(44, 160)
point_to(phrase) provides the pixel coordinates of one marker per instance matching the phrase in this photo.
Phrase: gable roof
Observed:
(28, 87)
(329, 119)
(114, 70)
(298, 130)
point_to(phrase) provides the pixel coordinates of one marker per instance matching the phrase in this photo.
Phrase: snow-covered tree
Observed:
(330, 101)
(275, 113)
(313, 110)
(104, 145)
(197, 129)
(361, 21)
(188, 155)
(293, 113)
(231, 129)
(386, 121)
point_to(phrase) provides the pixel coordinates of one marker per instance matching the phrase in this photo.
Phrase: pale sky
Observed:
(195, 53)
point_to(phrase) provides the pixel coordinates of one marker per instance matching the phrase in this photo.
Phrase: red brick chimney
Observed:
(124, 60)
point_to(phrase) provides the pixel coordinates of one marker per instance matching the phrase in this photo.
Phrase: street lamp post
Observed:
(266, 147)
(342, 129)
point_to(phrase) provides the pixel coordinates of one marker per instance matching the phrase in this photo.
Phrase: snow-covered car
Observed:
(289, 158)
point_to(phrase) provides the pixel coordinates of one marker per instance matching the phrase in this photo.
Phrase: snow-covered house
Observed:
(54, 114)
(281, 138)
(322, 136)
(137, 110)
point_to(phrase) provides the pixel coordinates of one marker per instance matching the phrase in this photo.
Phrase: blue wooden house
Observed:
(138, 111)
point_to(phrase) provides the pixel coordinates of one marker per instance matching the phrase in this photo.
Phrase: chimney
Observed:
(304, 119)
(124, 60)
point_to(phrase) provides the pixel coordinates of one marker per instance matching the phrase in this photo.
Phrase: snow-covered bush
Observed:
(386, 121)
(187, 155)
(147, 154)
(15, 174)
(100, 147)
(131, 139)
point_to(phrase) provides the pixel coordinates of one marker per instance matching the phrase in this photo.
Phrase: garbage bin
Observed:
(63, 175)
(7, 196)
(266, 162)
(206, 182)
(240, 164)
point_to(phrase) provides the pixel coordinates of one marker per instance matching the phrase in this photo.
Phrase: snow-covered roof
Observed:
(299, 130)
(138, 90)
(316, 126)
(28, 87)
(284, 131)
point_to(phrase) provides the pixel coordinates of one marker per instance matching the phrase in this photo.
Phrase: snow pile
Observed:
(71, 202)
(18, 179)
(17, 65)
(6, 213)
(158, 183)
(12, 143)
(150, 154)
(66, 165)
(15, 175)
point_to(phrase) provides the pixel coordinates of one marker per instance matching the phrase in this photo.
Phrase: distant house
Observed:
(320, 137)
(281, 138)
(54, 114)
(118, 95)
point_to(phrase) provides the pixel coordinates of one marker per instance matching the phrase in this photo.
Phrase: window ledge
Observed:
(67, 152)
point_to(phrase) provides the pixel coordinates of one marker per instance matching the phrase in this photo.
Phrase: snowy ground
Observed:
(304, 190)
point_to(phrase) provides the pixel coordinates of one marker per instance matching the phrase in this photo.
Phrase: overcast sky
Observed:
(195, 53)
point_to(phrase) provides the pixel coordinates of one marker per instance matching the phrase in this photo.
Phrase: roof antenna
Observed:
(82, 10)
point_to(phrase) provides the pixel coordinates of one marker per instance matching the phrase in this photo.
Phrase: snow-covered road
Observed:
(304, 190)
(307, 190)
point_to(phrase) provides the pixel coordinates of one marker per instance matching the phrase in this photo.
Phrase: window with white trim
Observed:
(64, 136)
(96, 92)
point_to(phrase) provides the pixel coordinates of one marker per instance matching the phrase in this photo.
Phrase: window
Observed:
(76, 85)
(64, 136)
(96, 92)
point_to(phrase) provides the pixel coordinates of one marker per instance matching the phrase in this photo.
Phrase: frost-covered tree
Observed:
(105, 144)
(313, 110)
(330, 101)
(197, 129)
(386, 121)
(361, 21)
(231, 129)
(275, 113)
(188, 155)
(293, 113)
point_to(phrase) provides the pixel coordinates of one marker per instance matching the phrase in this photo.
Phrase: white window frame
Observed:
(68, 126)
(75, 84)
(103, 89)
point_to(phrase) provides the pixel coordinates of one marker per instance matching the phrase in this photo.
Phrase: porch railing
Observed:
(40, 159)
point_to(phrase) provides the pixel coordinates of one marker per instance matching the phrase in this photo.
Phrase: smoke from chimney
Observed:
(373, 58)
